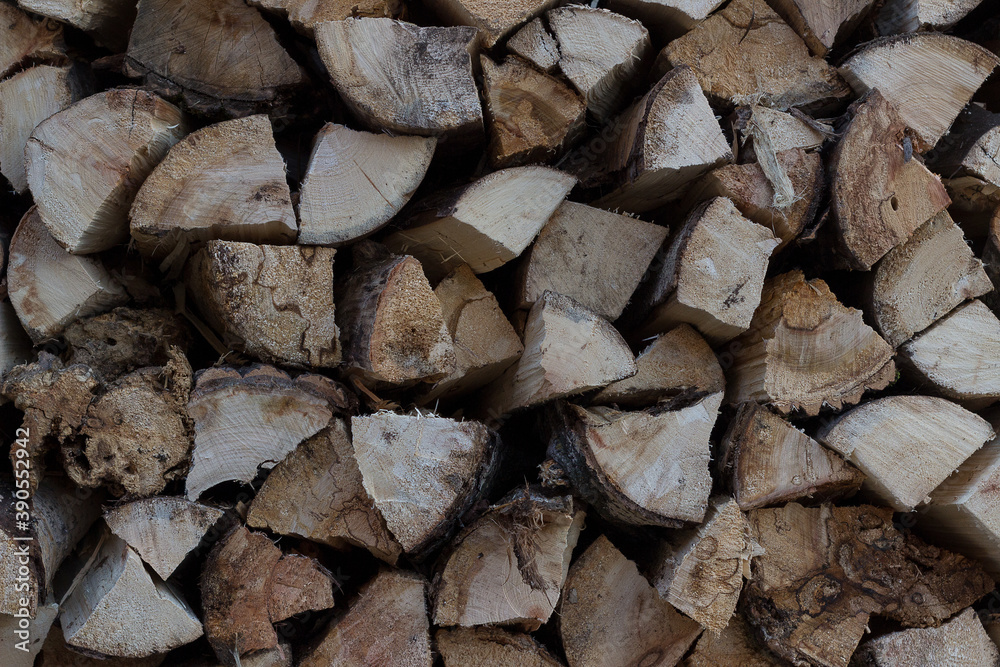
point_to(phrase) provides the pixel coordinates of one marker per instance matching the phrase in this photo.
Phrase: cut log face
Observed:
(305, 15)
(970, 148)
(508, 568)
(666, 18)
(960, 641)
(921, 280)
(224, 181)
(220, 56)
(110, 142)
(491, 647)
(493, 20)
(17, 653)
(50, 288)
(331, 505)
(386, 624)
(677, 364)
(423, 473)
(25, 39)
(406, 79)
(823, 24)
(733, 646)
(162, 530)
(785, 131)
(897, 17)
(568, 350)
(485, 224)
(767, 461)
(119, 609)
(537, 45)
(927, 77)
(805, 350)
(906, 445)
(357, 181)
(592, 255)
(746, 54)
(532, 115)
(811, 604)
(56, 653)
(107, 20)
(610, 615)
(716, 297)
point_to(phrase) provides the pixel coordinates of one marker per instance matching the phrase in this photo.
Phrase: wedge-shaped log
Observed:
(108, 21)
(823, 24)
(666, 19)
(491, 647)
(17, 652)
(970, 148)
(960, 641)
(902, 16)
(733, 646)
(494, 21)
(305, 15)
(56, 653)
(781, 130)
(537, 45)
(27, 39)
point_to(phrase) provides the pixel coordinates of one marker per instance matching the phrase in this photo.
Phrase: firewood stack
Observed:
(477, 333)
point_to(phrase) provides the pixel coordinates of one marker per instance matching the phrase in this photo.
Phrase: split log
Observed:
(745, 54)
(712, 275)
(305, 15)
(531, 115)
(272, 302)
(225, 181)
(357, 181)
(959, 642)
(331, 505)
(15, 346)
(733, 646)
(568, 350)
(220, 57)
(924, 278)
(494, 21)
(423, 473)
(678, 365)
(537, 45)
(906, 445)
(902, 16)
(108, 21)
(485, 224)
(162, 530)
(648, 467)
(50, 288)
(406, 79)
(18, 652)
(767, 461)
(248, 585)
(491, 647)
(594, 256)
(666, 19)
(805, 351)
(386, 624)
(252, 417)
(783, 131)
(610, 615)
(55, 653)
(823, 25)
(911, 71)
(26, 39)
(508, 568)
(970, 148)
(812, 605)
(110, 141)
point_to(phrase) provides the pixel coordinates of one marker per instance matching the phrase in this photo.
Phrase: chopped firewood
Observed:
(493, 20)
(783, 131)
(648, 467)
(162, 530)
(568, 350)
(357, 181)
(19, 647)
(537, 45)
(50, 288)
(247, 585)
(678, 363)
(305, 15)
(532, 115)
(386, 624)
(712, 275)
(107, 20)
(28, 39)
(485, 224)
(491, 647)
(902, 16)
(826, 570)
(423, 473)
(921, 280)
(15, 346)
(406, 79)
(823, 24)
(745, 54)
(592, 255)
(663, 142)
(926, 77)
(610, 615)
(331, 505)
(224, 181)
(508, 568)
(218, 56)
(805, 350)
(767, 461)
(252, 417)
(120, 609)
(55, 653)
(733, 646)
(969, 149)
(666, 19)
(906, 445)
(485, 342)
(961, 642)
(701, 570)
(110, 141)
(391, 324)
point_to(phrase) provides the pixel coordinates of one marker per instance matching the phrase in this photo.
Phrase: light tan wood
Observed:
(357, 181)
(927, 77)
(305, 15)
(610, 615)
(18, 648)
(568, 350)
(961, 642)
(86, 163)
(373, 66)
(28, 39)
(823, 24)
(15, 346)
(55, 653)
(805, 350)
(906, 445)
(783, 130)
(107, 20)
(537, 45)
(767, 461)
(967, 154)
(485, 224)
(495, 19)
(733, 646)
(491, 647)
(666, 19)
(902, 16)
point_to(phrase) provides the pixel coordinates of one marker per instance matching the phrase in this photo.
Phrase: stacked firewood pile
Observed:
(487, 333)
